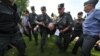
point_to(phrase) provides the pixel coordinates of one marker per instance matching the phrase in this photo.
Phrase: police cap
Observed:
(61, 5)
(43, 8)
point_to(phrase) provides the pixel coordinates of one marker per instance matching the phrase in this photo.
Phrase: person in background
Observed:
(26, 25)
(77, 32)
(32, 18)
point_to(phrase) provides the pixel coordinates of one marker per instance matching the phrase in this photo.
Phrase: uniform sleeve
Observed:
(37, 19)
(49, 19)
(70, 20)
(29, 17)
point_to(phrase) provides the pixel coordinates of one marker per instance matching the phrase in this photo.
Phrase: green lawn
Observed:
(50, 50)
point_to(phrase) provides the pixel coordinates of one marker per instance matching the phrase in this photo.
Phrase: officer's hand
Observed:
(41, 23)
(61, 31)
(35, 29)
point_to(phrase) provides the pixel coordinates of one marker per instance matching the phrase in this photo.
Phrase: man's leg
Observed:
(4, 41)
(59, 42)
(43, 40)
(88, 44)
(74, 35)
(19, 43)
(29, 33)
(35, 34)
(66, 41)
(77, 45)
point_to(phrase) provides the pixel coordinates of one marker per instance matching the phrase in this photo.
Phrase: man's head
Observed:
(89, 5)
(43, 9)
(33, 9)
(79, 15)
(61, 8)
(26, 12)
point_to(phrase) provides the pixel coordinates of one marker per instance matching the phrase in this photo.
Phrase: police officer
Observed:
(32, 18)
(77, 32)
(91, 27)
(64, 25)
(9, 31)
(77, 26)
(43, 20)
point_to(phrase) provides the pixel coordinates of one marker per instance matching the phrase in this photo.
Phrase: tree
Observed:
(22, 4)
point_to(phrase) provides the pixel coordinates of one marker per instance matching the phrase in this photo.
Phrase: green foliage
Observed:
(22, 4)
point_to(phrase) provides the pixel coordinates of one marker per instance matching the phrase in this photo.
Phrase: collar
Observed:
(62, 14)
(91, 11)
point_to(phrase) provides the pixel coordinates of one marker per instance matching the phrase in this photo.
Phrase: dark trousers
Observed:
(78, 42)
(15, 40)
(35, 34)
(62, 41)
(44, 34)
(77, 45)
(75, 34)
(27, 32)
(88, 43)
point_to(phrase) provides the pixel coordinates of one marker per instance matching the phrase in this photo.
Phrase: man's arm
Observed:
(97, 15)
(70, 23)
(38, 22)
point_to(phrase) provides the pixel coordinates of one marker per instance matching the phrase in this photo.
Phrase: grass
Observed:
(50, 50)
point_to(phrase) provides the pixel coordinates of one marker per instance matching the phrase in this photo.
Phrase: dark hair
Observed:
(80, 13)
(52, 15)
(43, 8)
(32, 8)
(26, 11)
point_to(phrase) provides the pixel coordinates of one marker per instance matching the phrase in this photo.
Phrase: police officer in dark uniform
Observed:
(64, 25)
(77, 26)
(32, 18)
(9, 30)
(77, 32)
(43, 20)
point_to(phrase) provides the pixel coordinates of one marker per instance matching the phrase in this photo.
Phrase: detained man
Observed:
(91, 27)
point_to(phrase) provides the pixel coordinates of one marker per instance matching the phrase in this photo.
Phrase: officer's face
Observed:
(60, 10)
(33, 10)
(80, 16)
(88, 7)
(43, 11)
